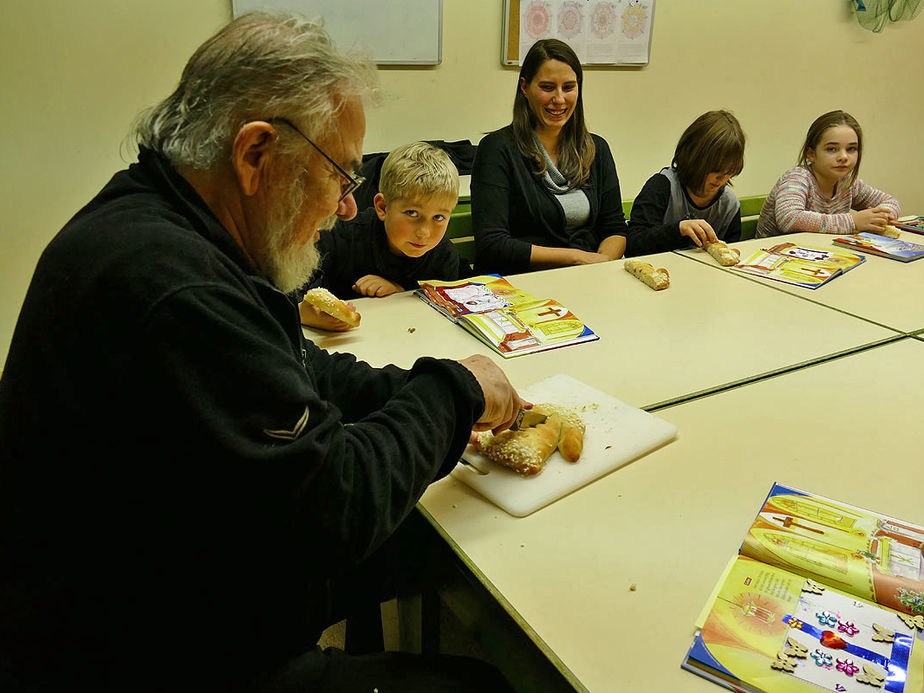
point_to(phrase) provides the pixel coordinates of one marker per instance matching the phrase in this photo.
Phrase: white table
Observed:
(708, 331)
(883, 291)
(848, 429)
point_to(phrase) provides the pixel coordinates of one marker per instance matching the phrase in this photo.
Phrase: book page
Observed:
(507, 319)
(799, 265)
(473, 295)
(778, 632)
(528, 327)
(856, 551)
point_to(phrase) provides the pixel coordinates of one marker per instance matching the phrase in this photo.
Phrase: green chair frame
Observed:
(461, 234)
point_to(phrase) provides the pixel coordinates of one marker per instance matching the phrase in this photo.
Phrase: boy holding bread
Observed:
(393, 245)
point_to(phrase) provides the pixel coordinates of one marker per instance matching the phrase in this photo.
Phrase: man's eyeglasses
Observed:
(353, 180)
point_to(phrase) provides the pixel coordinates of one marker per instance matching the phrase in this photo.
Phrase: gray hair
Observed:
(258, 66)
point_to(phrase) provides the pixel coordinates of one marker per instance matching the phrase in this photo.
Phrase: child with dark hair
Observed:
(691, 202)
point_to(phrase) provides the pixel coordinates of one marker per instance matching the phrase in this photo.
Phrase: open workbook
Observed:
(799, 265)
(822, 596)
(913, 224)
(507, 319)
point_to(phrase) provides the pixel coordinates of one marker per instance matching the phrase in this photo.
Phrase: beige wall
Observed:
(73, 75)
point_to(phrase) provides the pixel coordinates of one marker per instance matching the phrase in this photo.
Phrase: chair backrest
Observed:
(627, 208)
(459, 231)
(750, 213)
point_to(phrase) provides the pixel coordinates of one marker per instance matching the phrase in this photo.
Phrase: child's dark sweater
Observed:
(359, 247)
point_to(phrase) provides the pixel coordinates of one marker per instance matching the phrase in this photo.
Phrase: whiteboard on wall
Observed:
(391, 32)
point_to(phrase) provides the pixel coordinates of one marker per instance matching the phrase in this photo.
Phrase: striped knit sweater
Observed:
(797, 204)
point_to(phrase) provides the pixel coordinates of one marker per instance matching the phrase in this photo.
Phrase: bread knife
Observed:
(526, 418)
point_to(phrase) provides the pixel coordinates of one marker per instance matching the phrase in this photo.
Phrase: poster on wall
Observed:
(601, 32)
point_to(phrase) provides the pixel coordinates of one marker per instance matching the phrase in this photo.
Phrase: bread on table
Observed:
(890, 232)
(657, 279)
(571, 444)
(324, 300)
(526, 451)
(722, 254)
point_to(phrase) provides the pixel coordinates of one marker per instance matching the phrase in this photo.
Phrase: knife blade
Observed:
(526, 418)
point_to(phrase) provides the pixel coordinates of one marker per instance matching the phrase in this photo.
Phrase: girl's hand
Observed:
(872, 219)
(698, 231)
(376, 286)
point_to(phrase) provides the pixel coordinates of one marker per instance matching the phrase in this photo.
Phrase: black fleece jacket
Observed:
(181, 472)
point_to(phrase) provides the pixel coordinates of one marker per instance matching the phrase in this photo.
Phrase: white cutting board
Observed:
(616, 434)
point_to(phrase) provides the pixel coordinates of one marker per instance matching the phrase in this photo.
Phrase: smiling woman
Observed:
(544, 189)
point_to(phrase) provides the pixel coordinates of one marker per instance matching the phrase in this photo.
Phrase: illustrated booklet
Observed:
(800, 265)
(913, 224)
(507, 319)
(822, 596)
(874, 244)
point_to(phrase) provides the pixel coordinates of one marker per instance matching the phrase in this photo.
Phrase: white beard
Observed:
(287, 260)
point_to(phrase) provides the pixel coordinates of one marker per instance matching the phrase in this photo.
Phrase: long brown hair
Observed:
(832, 119)
(712, 143)
(576, 148)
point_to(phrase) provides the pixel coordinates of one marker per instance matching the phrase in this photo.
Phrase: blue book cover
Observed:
(874, 244)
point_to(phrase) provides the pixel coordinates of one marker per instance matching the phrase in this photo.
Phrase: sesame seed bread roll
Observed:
(526, 451)
(325, 301)
(890, 232)
(657, 279)
(571, 444)
(722, 254)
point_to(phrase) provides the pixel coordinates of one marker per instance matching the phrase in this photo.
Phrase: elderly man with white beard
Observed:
(187, 481)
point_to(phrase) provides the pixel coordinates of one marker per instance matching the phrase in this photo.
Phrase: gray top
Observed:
(573, 201)
(718, 213)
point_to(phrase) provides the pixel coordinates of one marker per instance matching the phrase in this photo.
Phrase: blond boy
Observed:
(399, 241)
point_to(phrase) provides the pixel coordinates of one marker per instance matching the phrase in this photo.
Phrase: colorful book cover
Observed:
(507, 319)
(913, 224)
(822, 596)
(874, 244)
(800, 265)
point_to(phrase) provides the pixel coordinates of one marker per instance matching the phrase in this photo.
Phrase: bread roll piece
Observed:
(722, 254)
(890, 232)
(657, 279)
(526, 451)
(333, 306)
(571, 444)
